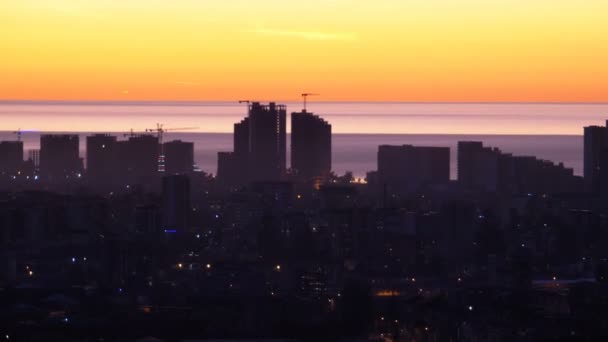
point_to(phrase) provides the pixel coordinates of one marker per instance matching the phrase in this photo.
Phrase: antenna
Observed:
(18, 133)
(304, 96)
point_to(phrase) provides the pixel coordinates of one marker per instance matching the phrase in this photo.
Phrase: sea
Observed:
(551, 131)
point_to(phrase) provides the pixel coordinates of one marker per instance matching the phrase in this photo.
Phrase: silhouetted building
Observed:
(138, 157)
(147, 219)
(231, 165)
(241, 138)
(179, 157)
(407, 168)
(310, 146)
(595, 146)
(480, 167)
(59, 157)
(229, 170)
(259, 147)
(11, 157)
(102, 159)
(267, 141)
(489, 169)
(176, 202)
(33, 155)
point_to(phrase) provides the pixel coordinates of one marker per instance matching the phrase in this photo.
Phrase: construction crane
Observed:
(305, 96)
(130, 134)
(160, 130)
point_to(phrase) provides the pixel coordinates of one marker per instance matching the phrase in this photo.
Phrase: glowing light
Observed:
(31, 273)
(470, 308)
(180, 265)
(208, 266)
(278, 267)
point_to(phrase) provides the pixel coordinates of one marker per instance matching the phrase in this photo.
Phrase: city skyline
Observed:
(322, 170)
(548, 51)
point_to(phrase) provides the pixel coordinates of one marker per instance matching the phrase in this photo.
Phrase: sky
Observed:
(382, 50)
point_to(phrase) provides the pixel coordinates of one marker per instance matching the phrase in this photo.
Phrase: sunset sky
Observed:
(383, 50)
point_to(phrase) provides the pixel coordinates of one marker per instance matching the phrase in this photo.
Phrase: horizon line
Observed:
(236, 103)
(341, 133)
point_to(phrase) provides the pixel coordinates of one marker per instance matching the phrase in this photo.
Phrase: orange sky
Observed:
(383, 50)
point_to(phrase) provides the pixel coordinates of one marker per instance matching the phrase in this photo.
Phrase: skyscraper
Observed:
(11, 157)
(407, 168)
(478, 166)
(489, 169)
(595, 149)
(267, 141)
(179, 157)
(101, 159)
(241, 137)
(232, 166)
(176, 202)
(59, 157)
(138, 157)
(310, 146)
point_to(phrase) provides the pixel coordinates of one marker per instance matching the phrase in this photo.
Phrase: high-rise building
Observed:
(176, 202)
(478, 166)
(138, 157)
(11, 157)
(229, 168)
(489, 169)
(310, 146)
(259, 147)
(407, 168)
(595, 146)
(59, 157)
(179, 157)
(33, 155)
(267, 141)
(241, 138)
(102, 159)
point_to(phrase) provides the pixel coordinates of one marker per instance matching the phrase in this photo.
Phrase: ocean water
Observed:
(547, 131)
(357, 152)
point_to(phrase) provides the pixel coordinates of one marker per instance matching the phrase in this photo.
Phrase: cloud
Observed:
(308, 35)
